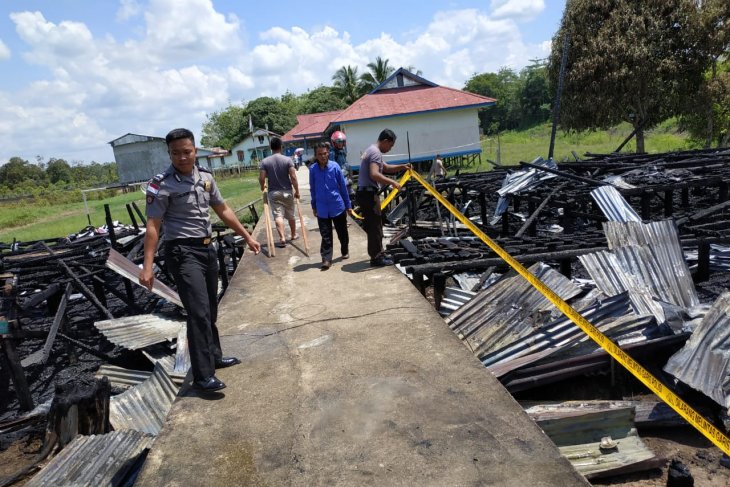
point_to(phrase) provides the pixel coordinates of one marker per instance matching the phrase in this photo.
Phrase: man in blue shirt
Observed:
(330, 203)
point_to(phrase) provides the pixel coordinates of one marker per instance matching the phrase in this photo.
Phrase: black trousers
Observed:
(195, 270)
(325, 230)
(369, 202)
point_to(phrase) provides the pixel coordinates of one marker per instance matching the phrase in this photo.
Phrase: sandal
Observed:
(281, 245)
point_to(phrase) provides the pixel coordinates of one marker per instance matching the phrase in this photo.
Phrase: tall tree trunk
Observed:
(639, 139)
(710, 111)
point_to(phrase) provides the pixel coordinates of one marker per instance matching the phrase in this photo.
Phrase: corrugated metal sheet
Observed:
(613, 205)
(125, 267)
(647, 261)
(719, 257)
(121, 377)
(704, 361)
(93, 461)
(509, 309)
(139, 331)
(559, 333)
(579, 437)
(662, 240)
(454, 298)
(158, 355)
(144, 407)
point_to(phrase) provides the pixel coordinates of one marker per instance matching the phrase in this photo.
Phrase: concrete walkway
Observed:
(349, 377)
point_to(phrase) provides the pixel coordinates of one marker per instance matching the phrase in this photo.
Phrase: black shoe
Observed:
(211, 384)
(380, 261)
(345, 256)
(224, 362)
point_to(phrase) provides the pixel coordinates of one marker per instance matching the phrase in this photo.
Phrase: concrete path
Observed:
(349, 377)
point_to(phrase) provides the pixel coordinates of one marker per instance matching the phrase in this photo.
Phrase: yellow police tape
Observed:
(390, 196)
(674, 401)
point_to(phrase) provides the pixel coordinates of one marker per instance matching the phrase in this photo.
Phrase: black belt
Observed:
(368, 189)
(195, 241)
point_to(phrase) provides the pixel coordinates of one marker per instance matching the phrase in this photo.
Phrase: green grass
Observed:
(528, 144)
(34, 221)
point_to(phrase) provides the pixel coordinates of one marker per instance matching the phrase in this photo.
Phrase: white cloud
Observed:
(52, 42)
(128, 9)
(517, 9)
(190, 30)
(4, 51)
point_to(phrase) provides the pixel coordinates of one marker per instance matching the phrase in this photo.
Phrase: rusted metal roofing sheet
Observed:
(704, 361)
(139, 331)
(579, 440)
(93, 461)
(144, 407)
(125, 267)
(613, 205)
(508, 310)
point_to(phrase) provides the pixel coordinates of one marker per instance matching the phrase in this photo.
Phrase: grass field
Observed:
(26, 222)
(528, 144)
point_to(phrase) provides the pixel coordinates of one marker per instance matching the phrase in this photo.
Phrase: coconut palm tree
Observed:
(379, 72)
(347, 83)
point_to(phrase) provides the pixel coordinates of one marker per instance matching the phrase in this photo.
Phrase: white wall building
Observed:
(428, 118)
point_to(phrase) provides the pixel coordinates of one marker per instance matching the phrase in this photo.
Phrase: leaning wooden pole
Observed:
(267, 220)
(303, 229)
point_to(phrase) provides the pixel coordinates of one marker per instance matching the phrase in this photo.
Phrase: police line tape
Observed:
(390, 196)
(674, 401)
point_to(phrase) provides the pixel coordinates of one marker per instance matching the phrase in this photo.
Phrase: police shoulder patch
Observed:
(150, 199)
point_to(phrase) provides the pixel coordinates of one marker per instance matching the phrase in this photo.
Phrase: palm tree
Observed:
(379, 72)
(348, 84)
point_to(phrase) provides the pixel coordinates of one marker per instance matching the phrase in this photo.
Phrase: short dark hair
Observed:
(275, 143)
(320, 145)
(387, 134)
(177, 134)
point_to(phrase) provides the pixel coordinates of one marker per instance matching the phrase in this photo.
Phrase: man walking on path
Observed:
(283, 188)
(372, 168)
(330, 203)
(178, 201)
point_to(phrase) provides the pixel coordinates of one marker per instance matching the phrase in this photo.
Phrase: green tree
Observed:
(321, 99)
(504, 86)
(58, 170)
(378, 71)
(225, 128)
(270, 112)
(17, 171)
(707, 113)
(348, 84)
(627, 61)
(534, 95)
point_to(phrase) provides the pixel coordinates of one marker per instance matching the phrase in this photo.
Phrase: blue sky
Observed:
(78, 74)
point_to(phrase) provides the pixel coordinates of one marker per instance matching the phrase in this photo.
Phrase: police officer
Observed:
(178, 200)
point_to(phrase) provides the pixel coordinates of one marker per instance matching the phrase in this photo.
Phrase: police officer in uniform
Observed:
(178, 200)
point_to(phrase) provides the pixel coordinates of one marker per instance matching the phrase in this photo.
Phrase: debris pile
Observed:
(636, 244)
(73, 315)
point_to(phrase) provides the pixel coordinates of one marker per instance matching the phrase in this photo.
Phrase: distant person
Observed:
(339, 155)
(283, 189)
(178, 201)
(438, 171)
(330, 203)
(370, 178)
